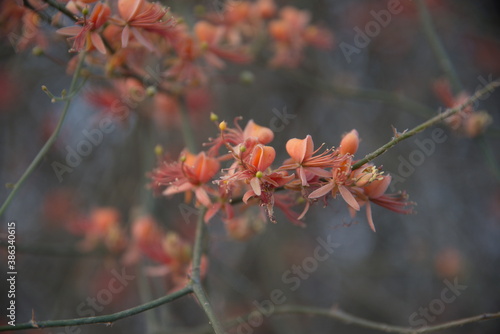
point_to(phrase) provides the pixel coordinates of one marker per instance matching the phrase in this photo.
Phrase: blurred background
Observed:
(389, 276)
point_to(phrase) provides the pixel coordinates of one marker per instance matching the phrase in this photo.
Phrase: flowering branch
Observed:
(72, 89)
(433, 121)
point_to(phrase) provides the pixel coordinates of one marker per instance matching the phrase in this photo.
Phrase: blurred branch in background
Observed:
(75, 86)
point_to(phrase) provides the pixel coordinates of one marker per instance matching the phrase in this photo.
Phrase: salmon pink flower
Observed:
(86, 37)
(304, 159)
(368, 184)
(253, 170)
(191, 173)
(338, 183)
(242, 141)
(137, 15)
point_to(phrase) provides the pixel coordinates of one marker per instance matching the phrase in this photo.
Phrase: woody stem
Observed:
(195, 283)
(433, 121)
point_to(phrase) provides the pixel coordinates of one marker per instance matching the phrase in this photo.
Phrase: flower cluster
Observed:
(308, 176)
(169, 253)
(171, 60)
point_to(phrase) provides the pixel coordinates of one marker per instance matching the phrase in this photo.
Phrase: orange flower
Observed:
(86, 36)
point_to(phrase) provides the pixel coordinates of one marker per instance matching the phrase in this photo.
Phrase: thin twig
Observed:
(437, 47)
(360, 322)
(50, 141)
(61, 9)
(51, 250)
(436, 119)
(107, 319)
(347, 92)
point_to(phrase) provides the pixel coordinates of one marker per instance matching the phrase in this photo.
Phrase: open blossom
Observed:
(374, 192)
(139, 15)
(86, 35)
(253, 170)
(308, 163)
(190, 173)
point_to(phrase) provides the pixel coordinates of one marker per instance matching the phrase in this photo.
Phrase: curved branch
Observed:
(354, 320)
(107, 319)
(436, 119)
(73, 88)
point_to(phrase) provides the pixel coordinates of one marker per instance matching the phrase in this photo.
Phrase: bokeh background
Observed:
(384, 276)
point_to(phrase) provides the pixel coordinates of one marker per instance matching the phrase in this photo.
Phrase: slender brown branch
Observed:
(106, 319)
(360, 322)
(433, 121)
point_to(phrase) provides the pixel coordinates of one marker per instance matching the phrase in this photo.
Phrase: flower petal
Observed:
(255, 184)
(202, 197)
(349, 198)
(369, 216)
(125, 36)
(98, 43)
(322, 191)
(249, 194)
(177, 189)
(300, 149)
(70, 31)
